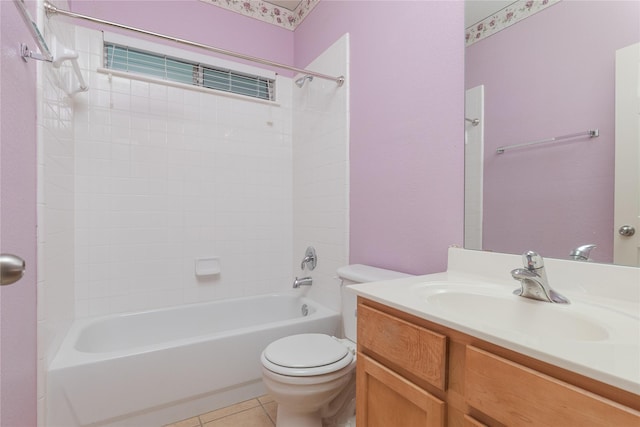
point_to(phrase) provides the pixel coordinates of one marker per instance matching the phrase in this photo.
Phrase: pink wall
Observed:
(195, 21)
(548, 75)
(17, 221)
(407, 104)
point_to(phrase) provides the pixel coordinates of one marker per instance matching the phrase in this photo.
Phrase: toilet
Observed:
(312, 376)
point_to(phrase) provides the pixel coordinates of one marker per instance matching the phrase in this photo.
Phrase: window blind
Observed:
(123, 58)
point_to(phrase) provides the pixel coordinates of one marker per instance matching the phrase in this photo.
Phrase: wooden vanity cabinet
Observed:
(412, 372)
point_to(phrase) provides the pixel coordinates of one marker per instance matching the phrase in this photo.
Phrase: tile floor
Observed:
(260, 412)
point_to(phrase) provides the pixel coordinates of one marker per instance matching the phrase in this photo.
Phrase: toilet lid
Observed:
(307, 351)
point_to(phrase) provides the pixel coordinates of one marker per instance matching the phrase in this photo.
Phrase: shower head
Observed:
(301, 80)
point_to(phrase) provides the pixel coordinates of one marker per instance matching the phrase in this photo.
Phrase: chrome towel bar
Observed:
(593, 133)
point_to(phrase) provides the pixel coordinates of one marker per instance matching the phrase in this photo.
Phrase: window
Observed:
(126, 59)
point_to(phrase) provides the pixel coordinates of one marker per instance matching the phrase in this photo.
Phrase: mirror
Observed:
(543, 69)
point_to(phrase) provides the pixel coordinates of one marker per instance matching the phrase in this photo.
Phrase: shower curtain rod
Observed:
(52, 10)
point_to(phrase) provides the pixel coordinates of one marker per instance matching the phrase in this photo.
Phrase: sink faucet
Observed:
(581, 253)
(303, 281)
(533, 280)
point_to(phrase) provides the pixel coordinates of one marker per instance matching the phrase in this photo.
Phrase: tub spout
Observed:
(303, 281)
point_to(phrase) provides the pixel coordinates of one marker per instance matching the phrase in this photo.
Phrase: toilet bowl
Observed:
(306, 372)
(312, 376)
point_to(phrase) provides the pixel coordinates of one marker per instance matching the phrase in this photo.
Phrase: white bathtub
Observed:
(154, 367)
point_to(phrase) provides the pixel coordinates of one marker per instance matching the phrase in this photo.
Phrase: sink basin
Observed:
(495, 307)
(597, 335)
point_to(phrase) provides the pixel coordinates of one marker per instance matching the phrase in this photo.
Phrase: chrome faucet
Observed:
(310, 259)
(303, 281)
(533, 280)
(581, 253)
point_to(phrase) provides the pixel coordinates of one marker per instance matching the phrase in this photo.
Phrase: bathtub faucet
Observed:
(310, 259)
(303, 281)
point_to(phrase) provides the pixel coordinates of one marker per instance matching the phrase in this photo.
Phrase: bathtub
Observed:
(159, 366)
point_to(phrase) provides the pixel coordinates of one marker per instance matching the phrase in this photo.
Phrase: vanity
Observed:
(460, 349)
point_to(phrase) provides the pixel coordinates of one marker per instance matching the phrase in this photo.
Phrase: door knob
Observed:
(11, 269)
(627, 230)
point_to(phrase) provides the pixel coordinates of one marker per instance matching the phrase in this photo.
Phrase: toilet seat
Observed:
(306, 355)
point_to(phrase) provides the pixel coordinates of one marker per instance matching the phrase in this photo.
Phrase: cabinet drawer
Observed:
(408, 346)
(493, 384)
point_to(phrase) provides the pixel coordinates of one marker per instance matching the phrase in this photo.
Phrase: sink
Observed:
(494, 306)
(597, 335)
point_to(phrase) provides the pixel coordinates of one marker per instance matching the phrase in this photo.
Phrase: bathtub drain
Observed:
(305, 309)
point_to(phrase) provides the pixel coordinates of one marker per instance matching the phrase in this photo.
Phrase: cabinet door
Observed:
(518, 396)
(386, 399)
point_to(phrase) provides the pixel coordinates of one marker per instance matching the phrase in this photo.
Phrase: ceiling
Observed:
(287, 4)
(476, 10)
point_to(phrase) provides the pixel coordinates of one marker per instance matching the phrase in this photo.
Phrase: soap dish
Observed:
(207, 266)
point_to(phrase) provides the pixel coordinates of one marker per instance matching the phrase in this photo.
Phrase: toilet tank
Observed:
(359, 273)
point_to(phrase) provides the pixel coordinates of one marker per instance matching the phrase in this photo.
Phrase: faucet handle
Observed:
(532, 260)
(310, 259)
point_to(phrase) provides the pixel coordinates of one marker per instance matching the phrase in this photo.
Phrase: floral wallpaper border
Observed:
(273, 14)
(268, 12)
(504, 18)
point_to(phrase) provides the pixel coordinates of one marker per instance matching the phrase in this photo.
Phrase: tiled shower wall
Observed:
(165, 176)
(55, 199)
(137, 180)
(321, 172)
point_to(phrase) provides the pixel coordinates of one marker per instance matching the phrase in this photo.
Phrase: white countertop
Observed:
(613, 357)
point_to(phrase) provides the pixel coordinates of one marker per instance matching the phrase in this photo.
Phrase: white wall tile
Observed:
(171, 175)
(320, 173)
(163, 176)
(55, 205)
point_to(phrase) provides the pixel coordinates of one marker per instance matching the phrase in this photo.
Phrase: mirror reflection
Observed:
(536, 71)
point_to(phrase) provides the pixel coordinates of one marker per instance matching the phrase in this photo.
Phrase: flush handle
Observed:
(627, 230)
(12, 268)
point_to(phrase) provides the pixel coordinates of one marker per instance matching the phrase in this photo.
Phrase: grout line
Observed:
(201, 423)
(267, 412)
(229, 415)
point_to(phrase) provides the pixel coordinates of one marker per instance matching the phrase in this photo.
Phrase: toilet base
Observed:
(287, 418)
